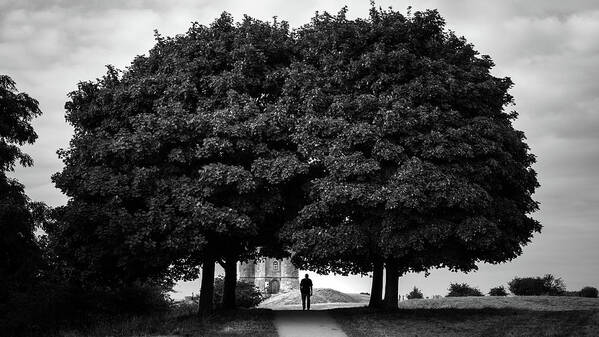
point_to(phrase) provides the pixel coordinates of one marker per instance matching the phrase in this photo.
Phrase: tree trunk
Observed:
(376, 291)
(207, 288)
(391, 285)
(230, 283)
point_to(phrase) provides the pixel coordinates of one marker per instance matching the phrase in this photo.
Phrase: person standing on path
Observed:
(306, 290)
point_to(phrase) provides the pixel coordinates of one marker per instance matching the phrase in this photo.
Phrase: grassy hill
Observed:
(321, 296)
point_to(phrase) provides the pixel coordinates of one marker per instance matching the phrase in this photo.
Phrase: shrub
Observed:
(415, 294)
(137, 298)
(246, 294)
(589, 292)
(536, 286)
(498, 291)
(49, 306)
(462, 289)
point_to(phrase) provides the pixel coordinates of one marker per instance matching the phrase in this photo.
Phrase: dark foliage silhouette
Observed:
(415, 163)
(462, 289)
(589, 292)
(415, 294)
(498, 291)
(181, 161)
(535, 286)
(246, 294)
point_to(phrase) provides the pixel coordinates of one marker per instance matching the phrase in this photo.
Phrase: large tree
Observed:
(182, 161)
(418, 163)
(19, 253)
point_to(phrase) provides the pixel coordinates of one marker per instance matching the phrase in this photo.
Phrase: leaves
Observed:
(16, 112)
(181, 156)
(20, 257)
(405, 129)
(347, 140)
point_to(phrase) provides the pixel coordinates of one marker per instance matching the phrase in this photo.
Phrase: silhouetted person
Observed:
(306, 290)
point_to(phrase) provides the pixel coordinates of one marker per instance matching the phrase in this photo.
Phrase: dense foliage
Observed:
(246, 294)
(463, 289)
(377, 142)
(498, 291)
(36, 297)
(591, 292)
(183, 160)
(19, 252)
(417, 162)
(357, 144)
(17, 110)
(536, 286)
(415, 294)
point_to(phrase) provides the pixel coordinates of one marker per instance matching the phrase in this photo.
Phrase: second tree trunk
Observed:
(391, 285)
(376, 292)
(207, 287)
(230, 283)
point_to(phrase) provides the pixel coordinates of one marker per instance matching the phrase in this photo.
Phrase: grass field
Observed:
(475, 316)
(462, 316)
(544, 303)
(236, 323)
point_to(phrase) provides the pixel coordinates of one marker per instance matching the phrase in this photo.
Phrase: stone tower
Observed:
(270, 275)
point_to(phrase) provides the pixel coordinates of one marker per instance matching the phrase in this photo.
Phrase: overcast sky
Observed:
(549, 48)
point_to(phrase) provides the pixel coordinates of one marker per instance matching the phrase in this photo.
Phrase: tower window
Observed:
(275, 265)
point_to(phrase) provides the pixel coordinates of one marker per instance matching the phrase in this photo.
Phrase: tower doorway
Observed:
(274, 286)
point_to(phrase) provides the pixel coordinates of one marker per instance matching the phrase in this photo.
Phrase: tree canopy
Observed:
(184, 159)
(17, 110)
(19, 254)
(373, 141)
(419, 163)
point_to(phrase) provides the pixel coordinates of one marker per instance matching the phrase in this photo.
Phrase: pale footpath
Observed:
(292, 323)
